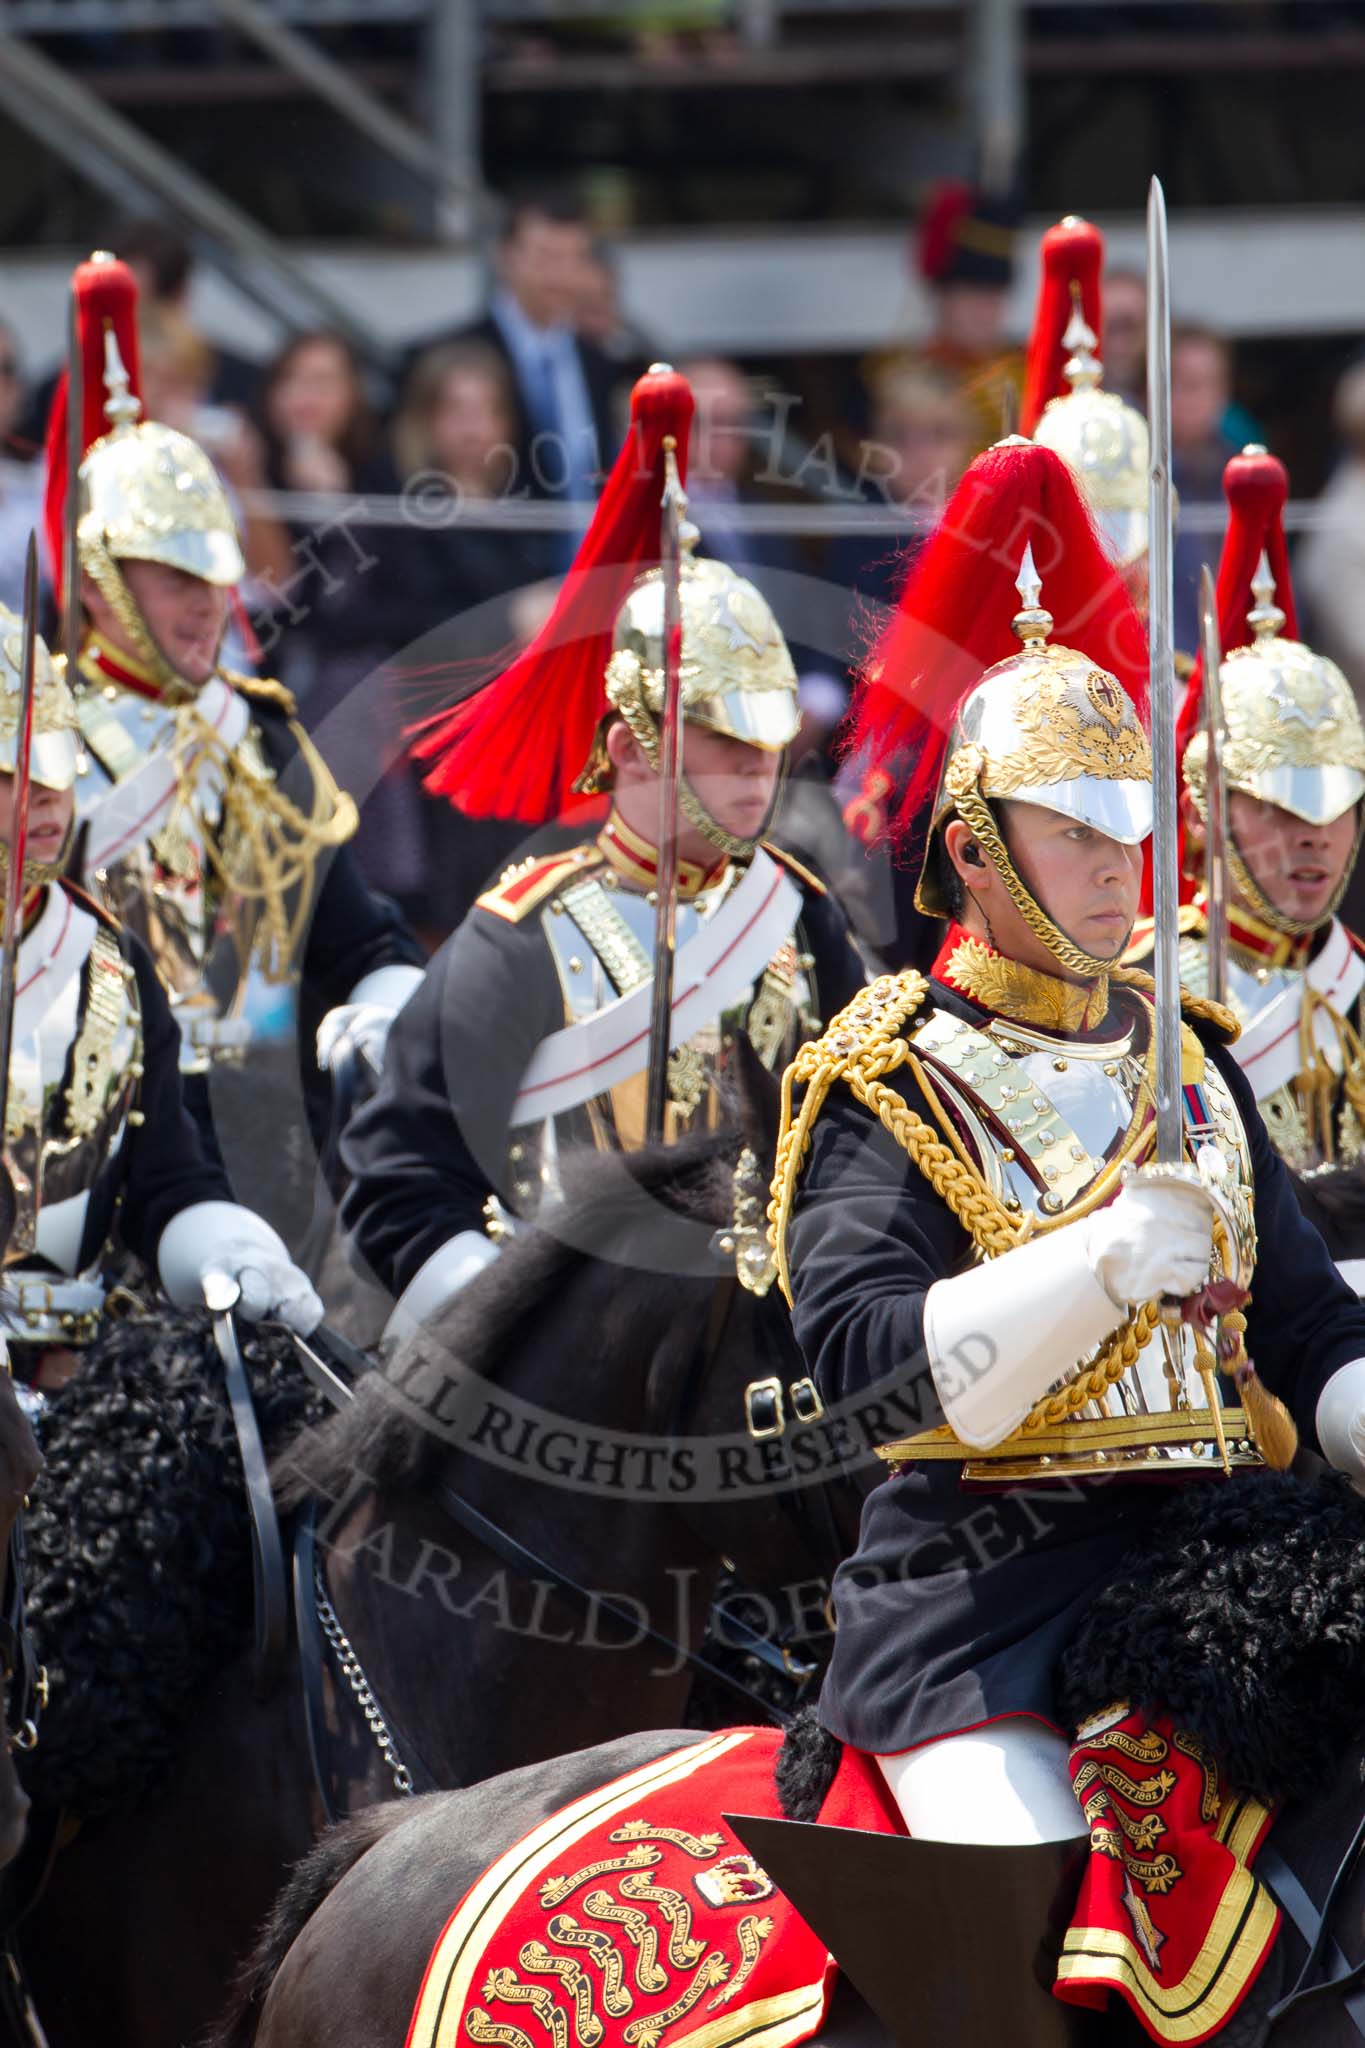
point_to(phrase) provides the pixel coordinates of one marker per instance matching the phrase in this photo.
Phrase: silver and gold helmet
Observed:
(1293, 738)
(737, 675)
(738, 678)
(147, 493)
(54, 753)
(1294, 733)
(1049, 727)
(1105, 443)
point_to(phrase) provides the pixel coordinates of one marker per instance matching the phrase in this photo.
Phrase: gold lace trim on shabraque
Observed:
(1024, 994)
(863, 1045)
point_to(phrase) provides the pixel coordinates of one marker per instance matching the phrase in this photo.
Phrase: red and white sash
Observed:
(713, 970)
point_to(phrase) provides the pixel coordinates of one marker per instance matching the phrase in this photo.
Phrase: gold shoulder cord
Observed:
(266, 845)
(862, 1046)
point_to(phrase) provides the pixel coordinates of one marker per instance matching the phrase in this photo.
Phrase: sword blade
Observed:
(11, 931)
(1165, 803)
(1216, 824)
(670, 775)
(75, 451)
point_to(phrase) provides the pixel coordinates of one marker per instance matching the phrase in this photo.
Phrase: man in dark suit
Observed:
(564, 385)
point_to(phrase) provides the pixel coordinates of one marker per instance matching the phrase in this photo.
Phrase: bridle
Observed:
(26, 1687)
(317, 1626)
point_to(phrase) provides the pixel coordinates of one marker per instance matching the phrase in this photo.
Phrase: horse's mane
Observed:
(139, 1563)
(603, 1218)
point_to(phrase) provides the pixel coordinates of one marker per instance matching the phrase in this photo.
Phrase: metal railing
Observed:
(427, 506)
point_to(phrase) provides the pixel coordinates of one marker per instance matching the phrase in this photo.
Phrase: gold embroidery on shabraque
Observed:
(603, 1954)
(683, 1947)
(536, 1958)
(1144, 1832)
(480, 2027)
(700, 1846)
(1156, 1877)
(1147, 1748)
(1210, 1797)
(505, 1984)
(1139, 1791)
(643, 1936)
(555, 1890)
(649, 2030)
(752, 1933)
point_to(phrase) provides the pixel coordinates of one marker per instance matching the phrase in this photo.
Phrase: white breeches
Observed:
(1005, 1783)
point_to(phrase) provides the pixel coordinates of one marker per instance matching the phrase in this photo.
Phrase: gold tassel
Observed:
(1270, 1422)
(1207, 1366)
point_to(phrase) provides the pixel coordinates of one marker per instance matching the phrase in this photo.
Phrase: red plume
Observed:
(955, 615)
(105, 295)
(1073, 254)
(947, 207)
(1256, 486)
(514, 748)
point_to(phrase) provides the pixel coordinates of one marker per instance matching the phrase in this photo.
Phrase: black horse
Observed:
(341, 1961)
(582, 1405)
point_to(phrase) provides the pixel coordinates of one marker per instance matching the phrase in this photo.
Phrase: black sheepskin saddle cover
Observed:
(1242, 1614)
(139, 1559)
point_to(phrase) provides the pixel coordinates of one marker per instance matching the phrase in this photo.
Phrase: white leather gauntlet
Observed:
(222, 1237)
(1341, 1420)
(364, 1018)
(1001, 1334)
(437, 1281)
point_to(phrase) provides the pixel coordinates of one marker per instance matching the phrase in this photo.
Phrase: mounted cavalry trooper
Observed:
(1101, 437)
(1293, 759)
(982, 1222)
(533, 1026)
(205, 806)
(96, 1128)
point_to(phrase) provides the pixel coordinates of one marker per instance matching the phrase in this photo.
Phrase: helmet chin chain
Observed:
(104, 572)
(976, 813)
(38, 873)
(1260, 904)
(646, 733)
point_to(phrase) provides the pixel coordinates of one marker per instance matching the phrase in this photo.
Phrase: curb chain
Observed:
(353, 1671)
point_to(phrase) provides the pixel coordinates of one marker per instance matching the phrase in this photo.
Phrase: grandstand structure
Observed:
(753, 163)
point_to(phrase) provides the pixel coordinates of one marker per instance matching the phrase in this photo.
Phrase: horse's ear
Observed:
(758, 1102)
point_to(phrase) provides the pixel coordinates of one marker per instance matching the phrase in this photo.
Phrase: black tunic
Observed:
(350, 931)
(957, 1601)
(431, 1145)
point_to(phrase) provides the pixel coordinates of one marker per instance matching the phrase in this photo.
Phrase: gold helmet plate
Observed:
(1049, 727)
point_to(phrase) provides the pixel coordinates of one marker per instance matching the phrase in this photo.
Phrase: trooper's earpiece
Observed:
(971, 853)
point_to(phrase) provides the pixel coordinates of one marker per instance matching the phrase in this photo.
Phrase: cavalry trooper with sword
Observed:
(1101, 438)
(95, 1125)
(1066, 408)
(1292, 784)
(536, 1022)
(1023, 1197)
(205, 806)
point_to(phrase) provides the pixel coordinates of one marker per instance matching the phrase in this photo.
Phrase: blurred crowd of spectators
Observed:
(381, 572)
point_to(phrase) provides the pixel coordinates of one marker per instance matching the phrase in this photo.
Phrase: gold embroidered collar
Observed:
(636, 861)
(1258, 943)
(1024, 994)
